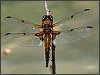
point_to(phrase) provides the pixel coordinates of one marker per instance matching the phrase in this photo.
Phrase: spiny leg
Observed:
(40, 35)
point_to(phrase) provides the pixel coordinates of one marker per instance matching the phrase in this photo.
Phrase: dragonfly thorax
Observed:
(47, 28)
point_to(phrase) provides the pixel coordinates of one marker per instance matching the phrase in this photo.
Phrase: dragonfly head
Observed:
(47, 17)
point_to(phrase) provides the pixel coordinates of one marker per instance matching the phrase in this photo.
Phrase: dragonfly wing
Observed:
(17, 28)
(73, 35)
(12, 24)
(22, 39)
(76, 26)
(79, 19)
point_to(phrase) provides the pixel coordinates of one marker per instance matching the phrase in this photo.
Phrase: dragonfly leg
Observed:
(41, 38)
(55, 33)
(40, 35)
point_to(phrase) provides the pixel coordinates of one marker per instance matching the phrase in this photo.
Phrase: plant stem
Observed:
(53, 59)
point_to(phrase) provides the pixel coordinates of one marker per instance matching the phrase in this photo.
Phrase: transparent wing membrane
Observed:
(77, 26)
(12, 24)
(20, 31)
(74, 35)
(22, 39)
(76, 20)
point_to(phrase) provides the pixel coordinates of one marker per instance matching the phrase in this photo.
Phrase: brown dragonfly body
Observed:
(47, 35)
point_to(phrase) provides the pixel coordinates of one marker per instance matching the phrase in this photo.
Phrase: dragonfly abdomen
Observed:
(47, 45)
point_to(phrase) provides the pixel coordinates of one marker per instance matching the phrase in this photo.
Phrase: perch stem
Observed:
(46, 8)
(53, 59)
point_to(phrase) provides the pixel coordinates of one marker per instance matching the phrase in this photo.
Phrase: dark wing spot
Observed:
(86, 9)
(24, 33)
(7, 33)
(89, 27)
(8, 17)
(72, 16)
(22, 20)
(71, 30)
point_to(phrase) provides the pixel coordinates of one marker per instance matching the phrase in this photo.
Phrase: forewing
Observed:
(79, 19)
(12, 24)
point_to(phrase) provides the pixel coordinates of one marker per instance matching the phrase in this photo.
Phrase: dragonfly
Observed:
(64, 31)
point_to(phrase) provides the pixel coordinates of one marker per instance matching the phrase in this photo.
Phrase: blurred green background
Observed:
(81, 57)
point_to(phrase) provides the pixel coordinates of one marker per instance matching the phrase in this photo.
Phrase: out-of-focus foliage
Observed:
(80, 58)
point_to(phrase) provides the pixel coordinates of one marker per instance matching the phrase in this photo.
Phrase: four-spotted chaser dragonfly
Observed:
(64, 31)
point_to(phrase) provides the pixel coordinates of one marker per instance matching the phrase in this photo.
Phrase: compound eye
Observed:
(51, 18)
(43, 17)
